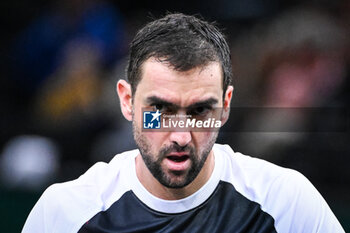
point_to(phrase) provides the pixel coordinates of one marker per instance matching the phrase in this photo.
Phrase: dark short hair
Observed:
(184, 42)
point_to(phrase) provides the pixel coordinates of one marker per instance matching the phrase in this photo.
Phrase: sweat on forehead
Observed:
(157, 71)
(180, 87)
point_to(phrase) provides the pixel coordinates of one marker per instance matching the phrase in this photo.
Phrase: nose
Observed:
(181, 138)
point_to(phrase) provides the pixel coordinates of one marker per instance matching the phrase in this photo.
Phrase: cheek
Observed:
(137, 117)
(155, 139)
(203, 138)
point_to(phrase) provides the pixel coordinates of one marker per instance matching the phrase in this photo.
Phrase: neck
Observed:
(157, 189)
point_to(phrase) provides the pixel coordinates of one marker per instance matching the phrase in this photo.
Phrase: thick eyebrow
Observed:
(155, 99)
(208, 102)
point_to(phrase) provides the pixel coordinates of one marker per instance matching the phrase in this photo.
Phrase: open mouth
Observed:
(178, 161)
(178, 158)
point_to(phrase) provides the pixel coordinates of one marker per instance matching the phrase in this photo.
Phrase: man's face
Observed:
(176, 157)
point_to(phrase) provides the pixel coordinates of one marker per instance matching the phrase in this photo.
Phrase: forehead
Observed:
(160, 79)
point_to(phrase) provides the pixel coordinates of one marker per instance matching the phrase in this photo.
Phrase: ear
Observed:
(125, 97)
(226, 104)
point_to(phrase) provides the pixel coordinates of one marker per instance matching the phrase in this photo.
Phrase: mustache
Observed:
(175, 148)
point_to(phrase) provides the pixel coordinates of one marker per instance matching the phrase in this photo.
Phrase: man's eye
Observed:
(199, 111)
(159, 107)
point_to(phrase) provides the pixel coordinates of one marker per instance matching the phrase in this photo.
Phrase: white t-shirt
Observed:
(243, 194)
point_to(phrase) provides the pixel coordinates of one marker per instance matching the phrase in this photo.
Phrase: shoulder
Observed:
(246, 171)
(258, 175)
(64, 207)
(285, 194)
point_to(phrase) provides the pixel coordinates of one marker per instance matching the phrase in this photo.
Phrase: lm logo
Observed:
(151, 119)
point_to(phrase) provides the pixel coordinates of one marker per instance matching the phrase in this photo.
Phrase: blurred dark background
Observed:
(60, 61)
